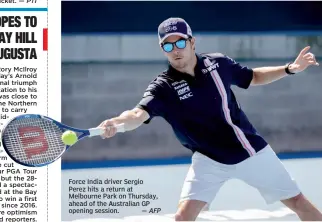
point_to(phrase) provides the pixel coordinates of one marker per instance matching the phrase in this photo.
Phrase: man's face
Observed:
(182, 52)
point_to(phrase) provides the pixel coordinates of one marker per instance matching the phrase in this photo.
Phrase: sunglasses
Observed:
(169, 46)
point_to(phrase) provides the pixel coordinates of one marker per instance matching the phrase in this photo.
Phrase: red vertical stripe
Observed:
(223, 94)
(45, 39)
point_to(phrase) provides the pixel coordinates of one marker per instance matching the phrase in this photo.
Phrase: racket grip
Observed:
(99, 130)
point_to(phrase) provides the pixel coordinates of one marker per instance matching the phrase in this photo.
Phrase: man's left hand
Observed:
(303, 60)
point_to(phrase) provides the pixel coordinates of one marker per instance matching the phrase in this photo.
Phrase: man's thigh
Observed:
(204, 179)
(267, 174)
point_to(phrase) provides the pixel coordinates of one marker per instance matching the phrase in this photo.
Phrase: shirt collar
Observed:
(175, 73)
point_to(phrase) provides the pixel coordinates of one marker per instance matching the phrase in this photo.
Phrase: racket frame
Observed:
(83, 133)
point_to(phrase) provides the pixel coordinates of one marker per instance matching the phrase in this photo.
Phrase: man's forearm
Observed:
(266, 75)
(131, 119)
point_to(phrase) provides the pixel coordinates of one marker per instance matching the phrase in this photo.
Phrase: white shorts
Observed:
(264, 171)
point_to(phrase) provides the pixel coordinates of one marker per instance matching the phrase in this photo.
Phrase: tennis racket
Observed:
(35, 140)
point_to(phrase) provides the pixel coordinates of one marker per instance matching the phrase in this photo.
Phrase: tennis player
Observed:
(194, 96)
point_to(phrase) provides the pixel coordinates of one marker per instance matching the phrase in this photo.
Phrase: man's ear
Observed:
(193, 43)
(161, 48)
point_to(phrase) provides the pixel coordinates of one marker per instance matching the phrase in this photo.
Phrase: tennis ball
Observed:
(69, 138)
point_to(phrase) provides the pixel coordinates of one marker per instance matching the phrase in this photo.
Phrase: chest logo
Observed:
(210, 68)
(183, 90)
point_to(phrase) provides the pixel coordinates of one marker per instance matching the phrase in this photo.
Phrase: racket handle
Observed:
(100, 130)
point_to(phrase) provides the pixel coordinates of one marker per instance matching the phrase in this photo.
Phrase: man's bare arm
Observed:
(265, 75)
(131, 119)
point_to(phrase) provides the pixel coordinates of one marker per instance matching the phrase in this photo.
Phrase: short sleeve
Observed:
(152, 101)
(241, 76)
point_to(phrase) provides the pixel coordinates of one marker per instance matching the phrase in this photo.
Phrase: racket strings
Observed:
(33, 141)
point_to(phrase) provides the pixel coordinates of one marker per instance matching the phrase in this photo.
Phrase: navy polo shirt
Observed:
(202, 109)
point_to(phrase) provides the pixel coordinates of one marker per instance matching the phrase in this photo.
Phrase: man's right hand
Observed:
(110, 129)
